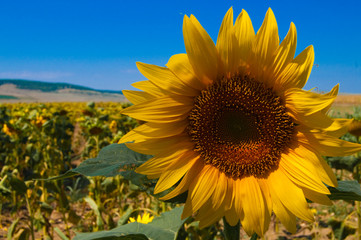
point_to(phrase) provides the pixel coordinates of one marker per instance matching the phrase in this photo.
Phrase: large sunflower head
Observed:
(230, 122)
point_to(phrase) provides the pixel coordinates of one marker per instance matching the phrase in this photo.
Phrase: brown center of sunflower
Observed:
(240, 127)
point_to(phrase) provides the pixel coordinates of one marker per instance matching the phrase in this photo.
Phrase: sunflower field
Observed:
(42, 141)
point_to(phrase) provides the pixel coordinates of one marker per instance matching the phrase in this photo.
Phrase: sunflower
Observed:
(230, 124)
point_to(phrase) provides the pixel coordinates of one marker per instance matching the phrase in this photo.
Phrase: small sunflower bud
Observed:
(355, 128)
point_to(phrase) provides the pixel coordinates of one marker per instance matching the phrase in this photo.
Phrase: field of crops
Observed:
(40, 141)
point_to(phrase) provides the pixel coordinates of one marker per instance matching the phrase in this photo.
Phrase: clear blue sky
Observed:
(96, 43)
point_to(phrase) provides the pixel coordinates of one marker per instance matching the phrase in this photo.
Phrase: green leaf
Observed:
(111, 161)
(3, 189)
(18, 185)
(125, 216)
(139, 180)
(12, 229)
(68, 174)
(164, 227)
(95, 208)
(346, 190)
(60, 234)
(123, 236)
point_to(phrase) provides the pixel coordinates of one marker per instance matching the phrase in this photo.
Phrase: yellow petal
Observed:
(220, 191)
(230, 196)
(165, 79)
(162, 110)
(158, 164)
(137, 97)
(245, 34)
(201, 51)
(316, 197)
(302, 172)
(227, 45)
(285, 52)
(232, 216)
(266, 194)
(328, 145)
(132, 136)
(176, 170)
(354, 127)
(238, 201)
(332, 93)
(287, 218)
(296, 73)
(200, 190)
(179, 64)
(315, 121)
(208, 215)
(154, 166)
(265, 45)
(186, 180)
(307, 107)
(293, 199)
(327, 175)
(161, 130)
(149, 87)
(160, 145)
(256, 214)
(338, 128)
(306, 102)
(323, 169)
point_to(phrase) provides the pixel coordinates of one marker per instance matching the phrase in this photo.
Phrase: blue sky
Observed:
(96, 43)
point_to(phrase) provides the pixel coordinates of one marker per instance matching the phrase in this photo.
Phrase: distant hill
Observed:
(19, 90)
(49, 87)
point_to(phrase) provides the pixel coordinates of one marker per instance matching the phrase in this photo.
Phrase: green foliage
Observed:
(46, 140)
(164, 227)
(232, 232)
(346, 190)
(111, 161)
(347, 162)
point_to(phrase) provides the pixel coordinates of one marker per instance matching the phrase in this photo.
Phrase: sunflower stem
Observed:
(231, 232)
(358, 220)
(254, 236)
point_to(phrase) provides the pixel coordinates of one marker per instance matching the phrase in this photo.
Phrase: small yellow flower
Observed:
(145, 219)
(113, 126)
(39, 121)
(7, 130)
(29, 192)
(3, 228)
(80, 119)
(314, 210)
